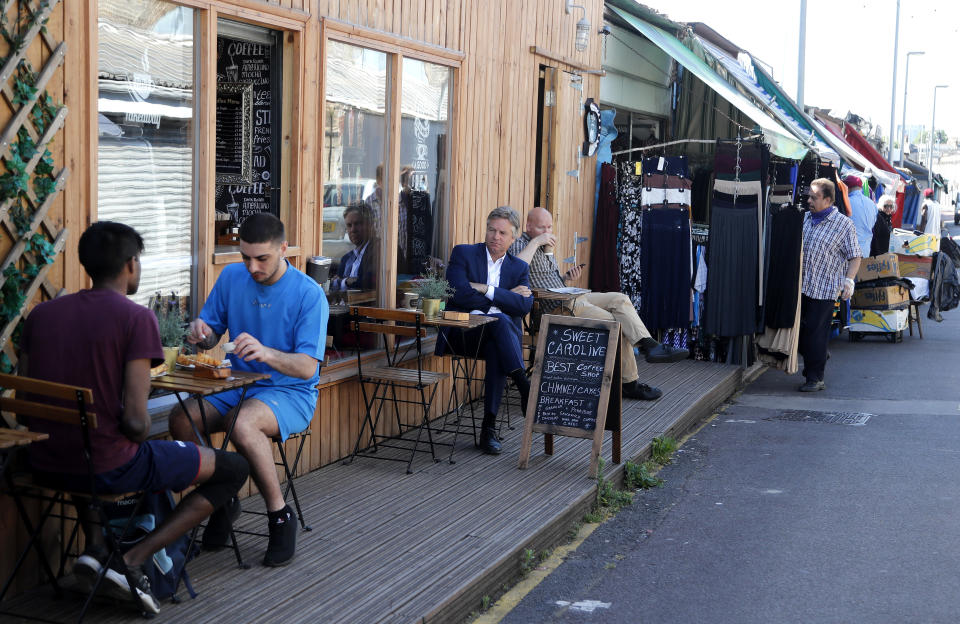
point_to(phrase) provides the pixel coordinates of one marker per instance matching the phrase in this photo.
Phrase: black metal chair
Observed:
(289, 469)
(380, 384)
(49, 401)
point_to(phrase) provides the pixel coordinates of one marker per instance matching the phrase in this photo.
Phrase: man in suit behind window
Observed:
(488, 280)
(358, 267)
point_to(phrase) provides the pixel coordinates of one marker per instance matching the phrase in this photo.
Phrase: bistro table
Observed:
(545, 294)
(182, 382)
(464, 367)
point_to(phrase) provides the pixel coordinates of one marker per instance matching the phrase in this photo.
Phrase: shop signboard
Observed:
(576, 363)
(247, 140)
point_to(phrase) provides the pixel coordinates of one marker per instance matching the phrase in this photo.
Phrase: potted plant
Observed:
(432, 289)
(173, 330)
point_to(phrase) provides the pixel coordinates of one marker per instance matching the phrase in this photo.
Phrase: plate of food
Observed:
(158, 371)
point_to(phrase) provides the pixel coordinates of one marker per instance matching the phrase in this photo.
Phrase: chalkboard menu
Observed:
(576, 363)
(245, 189)
(234, 155)
(571, 376)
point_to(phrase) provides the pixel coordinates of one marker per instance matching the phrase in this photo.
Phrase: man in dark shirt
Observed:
(101, 340)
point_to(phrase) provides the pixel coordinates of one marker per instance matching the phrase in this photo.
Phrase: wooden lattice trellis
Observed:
(31, 183)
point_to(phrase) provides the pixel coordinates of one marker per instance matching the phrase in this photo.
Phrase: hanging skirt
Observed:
(665, 268)
(732, 265)
(783, 279)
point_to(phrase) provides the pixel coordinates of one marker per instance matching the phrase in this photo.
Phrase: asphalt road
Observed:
(766, 520)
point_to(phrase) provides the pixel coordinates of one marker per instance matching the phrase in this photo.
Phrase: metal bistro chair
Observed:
(50, 401)
(379, 384)
(290, 470)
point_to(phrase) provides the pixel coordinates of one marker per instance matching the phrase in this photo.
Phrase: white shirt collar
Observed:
(490, 259)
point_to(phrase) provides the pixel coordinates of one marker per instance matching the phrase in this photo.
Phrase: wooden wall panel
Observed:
(493, 153)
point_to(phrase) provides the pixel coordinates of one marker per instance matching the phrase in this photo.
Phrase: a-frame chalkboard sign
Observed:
(577, 363)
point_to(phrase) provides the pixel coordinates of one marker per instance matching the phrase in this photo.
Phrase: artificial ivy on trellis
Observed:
(15, 182)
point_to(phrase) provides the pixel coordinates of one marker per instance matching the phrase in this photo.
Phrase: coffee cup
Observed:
(548, 249)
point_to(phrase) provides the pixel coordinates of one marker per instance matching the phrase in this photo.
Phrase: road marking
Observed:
(740, 420)
(872, 406)
(586, 606)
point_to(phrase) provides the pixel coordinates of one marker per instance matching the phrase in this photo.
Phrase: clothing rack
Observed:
(677, 142)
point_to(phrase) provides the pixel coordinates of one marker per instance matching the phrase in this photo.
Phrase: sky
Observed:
(849, 51)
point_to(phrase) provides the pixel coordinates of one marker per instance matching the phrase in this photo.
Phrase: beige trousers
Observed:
(616, 307)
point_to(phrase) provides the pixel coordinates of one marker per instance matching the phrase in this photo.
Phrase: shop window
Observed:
(145, 147)
(355, 130)
(248, 127)
(424, 145)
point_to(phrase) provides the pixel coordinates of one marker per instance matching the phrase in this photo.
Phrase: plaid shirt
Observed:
(544, 272)
(826, 249)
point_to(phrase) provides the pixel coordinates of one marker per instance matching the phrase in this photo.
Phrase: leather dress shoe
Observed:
(664, 354)
(641, 391)
(489, 443)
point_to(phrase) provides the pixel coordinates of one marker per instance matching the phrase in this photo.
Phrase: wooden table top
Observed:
(181, 380)
(474, 320)
(543, 293)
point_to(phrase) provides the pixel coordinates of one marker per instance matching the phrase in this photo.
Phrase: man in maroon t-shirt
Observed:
(101, 340)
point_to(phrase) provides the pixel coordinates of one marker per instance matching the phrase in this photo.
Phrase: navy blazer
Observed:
(369, 265)
(468, 263)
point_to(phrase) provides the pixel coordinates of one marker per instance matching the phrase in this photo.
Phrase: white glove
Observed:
(847, 291)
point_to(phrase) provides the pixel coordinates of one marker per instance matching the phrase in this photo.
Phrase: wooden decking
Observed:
(391, 547)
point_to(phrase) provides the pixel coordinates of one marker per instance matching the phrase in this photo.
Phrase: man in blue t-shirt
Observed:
(277, 320)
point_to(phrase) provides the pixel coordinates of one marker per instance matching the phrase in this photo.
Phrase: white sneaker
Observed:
(117, 585)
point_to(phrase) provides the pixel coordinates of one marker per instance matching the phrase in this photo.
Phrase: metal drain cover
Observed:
(856, 419)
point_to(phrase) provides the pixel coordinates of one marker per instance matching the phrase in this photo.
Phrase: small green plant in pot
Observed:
(432, 289)
(173, 330)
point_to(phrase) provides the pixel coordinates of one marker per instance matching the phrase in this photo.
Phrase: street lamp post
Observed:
(933, 130)
(893, 91)
(903, 126)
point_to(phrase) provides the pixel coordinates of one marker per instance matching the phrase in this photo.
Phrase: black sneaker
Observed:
(217, 533)
(121, 577)
(665, 354)
(283, 539)
(641, 391)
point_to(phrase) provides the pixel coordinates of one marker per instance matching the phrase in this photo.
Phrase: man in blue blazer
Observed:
(488, 280)
(358, 267)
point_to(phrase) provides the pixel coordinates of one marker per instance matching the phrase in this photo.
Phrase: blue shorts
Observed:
(292, 407)
(157, 465)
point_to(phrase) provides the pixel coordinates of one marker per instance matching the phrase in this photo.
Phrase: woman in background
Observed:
(884, 225)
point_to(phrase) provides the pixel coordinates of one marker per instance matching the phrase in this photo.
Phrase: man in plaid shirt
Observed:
(544, 273)
(831, 258)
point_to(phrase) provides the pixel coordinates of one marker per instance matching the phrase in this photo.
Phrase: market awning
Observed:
(781, 141)
(749, 82)
(852, 155)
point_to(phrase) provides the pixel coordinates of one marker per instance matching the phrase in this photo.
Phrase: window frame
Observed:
(396, 48)
(206, 13)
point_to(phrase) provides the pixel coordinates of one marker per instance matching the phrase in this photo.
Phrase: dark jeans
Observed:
(498, 344)
(815, 316)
